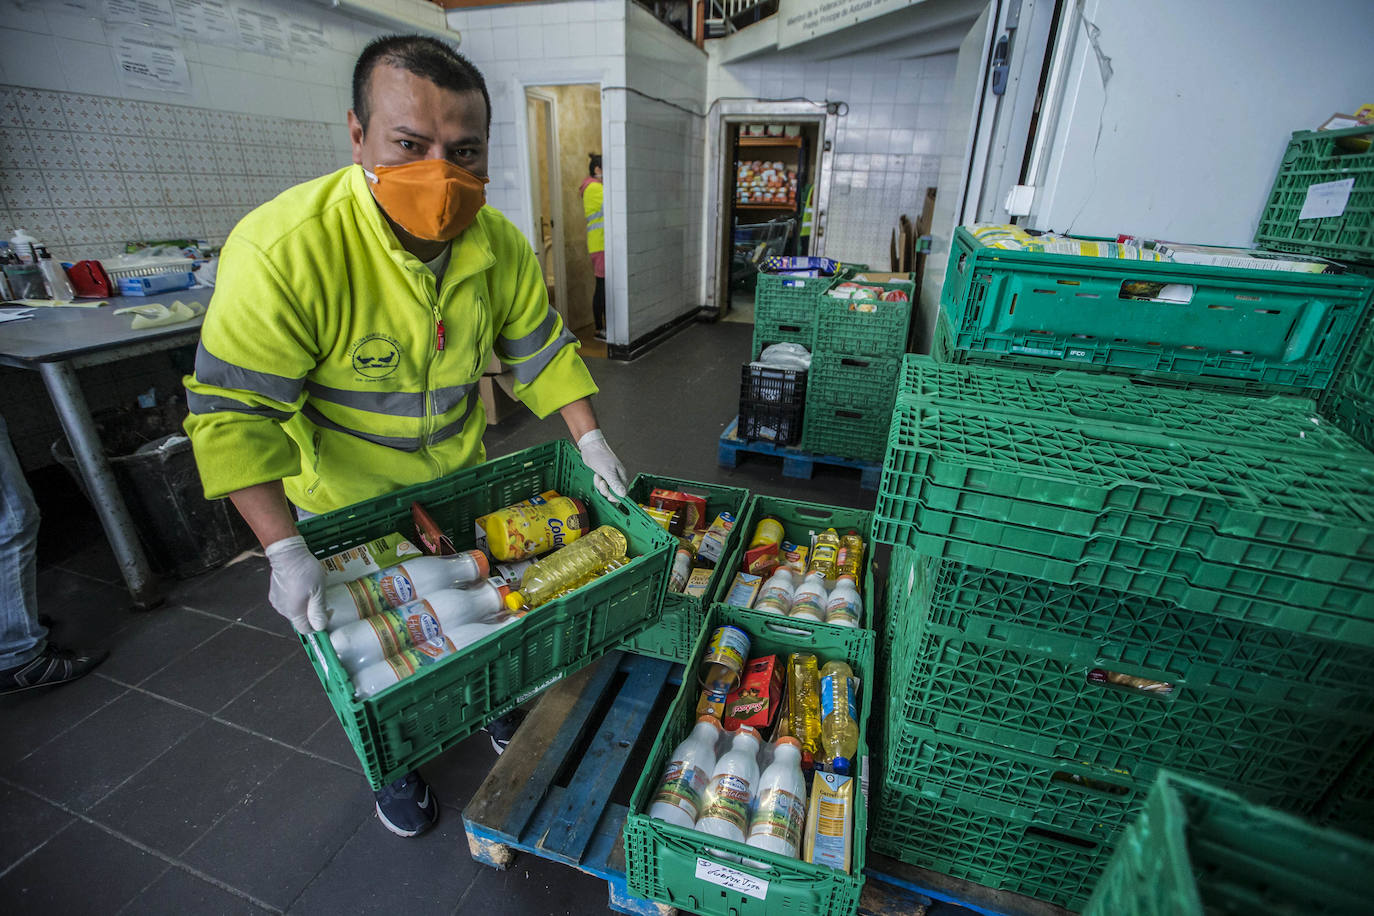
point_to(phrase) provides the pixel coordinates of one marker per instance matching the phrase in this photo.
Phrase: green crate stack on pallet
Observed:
(1196, 849)
(854, 366)
(785, 307)
(1095, 579)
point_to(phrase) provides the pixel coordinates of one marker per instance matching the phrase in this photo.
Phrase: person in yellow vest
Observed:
(593, 208)
(350, 324)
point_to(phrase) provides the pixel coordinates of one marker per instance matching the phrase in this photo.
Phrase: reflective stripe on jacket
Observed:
(319, 362)
(593, 197)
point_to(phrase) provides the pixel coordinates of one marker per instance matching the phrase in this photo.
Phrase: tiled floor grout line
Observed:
(155, 853)
(154, 673)
(87, 576)
(64, 731)
(300, 750)
(17, 862)
(362, 825)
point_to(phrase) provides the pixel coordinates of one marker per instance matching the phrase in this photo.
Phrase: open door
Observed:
(542, 114)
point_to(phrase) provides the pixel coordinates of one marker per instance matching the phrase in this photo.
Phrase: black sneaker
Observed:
(600, 335)
(53, 666)
(503, 729)
(407, 807)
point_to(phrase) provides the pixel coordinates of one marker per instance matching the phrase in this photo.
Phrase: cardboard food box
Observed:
(755, 701)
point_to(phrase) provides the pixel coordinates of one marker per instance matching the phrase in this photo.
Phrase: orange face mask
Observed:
(432, 199)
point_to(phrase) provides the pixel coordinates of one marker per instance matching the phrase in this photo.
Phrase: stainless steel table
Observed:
(58, 341)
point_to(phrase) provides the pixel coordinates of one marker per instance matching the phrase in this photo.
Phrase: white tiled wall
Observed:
(888, 147)
(534, 44)
(664, 176)
(87, 173)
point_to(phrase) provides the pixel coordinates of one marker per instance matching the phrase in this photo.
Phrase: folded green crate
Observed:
(1198, 850)
(1317, 157)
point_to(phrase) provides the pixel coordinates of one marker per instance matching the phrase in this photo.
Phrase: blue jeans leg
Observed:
(21, 635)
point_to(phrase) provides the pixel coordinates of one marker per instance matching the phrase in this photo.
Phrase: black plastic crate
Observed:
(772, 403)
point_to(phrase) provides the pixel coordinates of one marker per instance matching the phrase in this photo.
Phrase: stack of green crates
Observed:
(1093, 580)
(785, 307)
(853, 377)
(1196, 849)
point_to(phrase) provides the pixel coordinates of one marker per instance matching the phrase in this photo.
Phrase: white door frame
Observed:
(555, 182)
(720, 180)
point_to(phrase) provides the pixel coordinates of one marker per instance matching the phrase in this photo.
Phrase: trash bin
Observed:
(183, 533)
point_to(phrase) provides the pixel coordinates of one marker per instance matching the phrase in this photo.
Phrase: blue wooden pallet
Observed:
(520, 808)
(795, 462)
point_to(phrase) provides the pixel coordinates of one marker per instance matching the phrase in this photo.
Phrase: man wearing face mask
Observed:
(350, 324)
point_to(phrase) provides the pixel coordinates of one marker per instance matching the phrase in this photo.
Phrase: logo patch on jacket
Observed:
(376, 356)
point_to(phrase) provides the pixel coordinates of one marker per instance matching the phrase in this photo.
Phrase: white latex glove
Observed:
(297, 589)
(611, 479)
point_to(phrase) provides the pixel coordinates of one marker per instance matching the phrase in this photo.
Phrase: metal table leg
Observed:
(70, 403)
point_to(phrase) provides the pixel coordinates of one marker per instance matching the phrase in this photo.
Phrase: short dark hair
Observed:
(427, 58)
(593, 164)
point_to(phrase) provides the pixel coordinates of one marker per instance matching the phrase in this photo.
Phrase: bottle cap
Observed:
(483, 565)
(515, 601)
(788, 740)
(846, 578)
(840, 765)
(712, 719)
(747, 730)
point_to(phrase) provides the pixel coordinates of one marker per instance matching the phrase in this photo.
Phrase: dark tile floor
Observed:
(201, 770)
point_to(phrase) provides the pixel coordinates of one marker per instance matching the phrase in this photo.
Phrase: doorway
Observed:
(564, 128)
(774, 165)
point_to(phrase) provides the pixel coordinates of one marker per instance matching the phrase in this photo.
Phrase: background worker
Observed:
(593, 208)
(350, 324)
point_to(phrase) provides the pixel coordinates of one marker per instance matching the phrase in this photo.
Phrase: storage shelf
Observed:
(770, 141)
(788, 207)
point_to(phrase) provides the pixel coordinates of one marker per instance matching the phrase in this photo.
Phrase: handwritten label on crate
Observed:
(1327, 199)
(731, 879)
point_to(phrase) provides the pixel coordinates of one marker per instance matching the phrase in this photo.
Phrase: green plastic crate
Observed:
(1198, 850)
(853, 381)
(1349, 806)
(1057, 793)
(846, 430)
(798, 521)
(1349, 403)
(664, 862)
(786, 310)
(844, 329)
(1272, 421)
(1046, 693)
(1280, 329)
(995, 851)
(406, 724)
(676, 632)
(1317, 157)
(1098, 467)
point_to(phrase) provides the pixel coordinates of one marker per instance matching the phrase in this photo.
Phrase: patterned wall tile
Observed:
(42, 110)
(209, 191)
(96, 152)
(191, 124)
(67, 188)
(145, 190)
(52, 149)
(107, 189)
(200, 157)
(220, 127)
(179, 190)
(10, 116)
(16, 152)
(133, 153)
(24, 191)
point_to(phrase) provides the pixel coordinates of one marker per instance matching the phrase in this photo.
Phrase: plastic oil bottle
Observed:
(850, 560)
(567, 565)
(780, 812)
(825, 554)
(401, 584)
(839, 717)
(730, 794)
(679, 797)
(364, 642)
(804, 702)
(808, 602)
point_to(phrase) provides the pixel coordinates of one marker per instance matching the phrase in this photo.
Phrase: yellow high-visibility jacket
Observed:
(593, 198)
(319, 361)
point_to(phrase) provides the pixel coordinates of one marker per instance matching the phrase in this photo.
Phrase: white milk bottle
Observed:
(363, 642)
(401, 584)
(780, 813)
(380, 675)
(776, 595)
(679, 792)
(730, 793)
(845, 607)
(808, 603)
